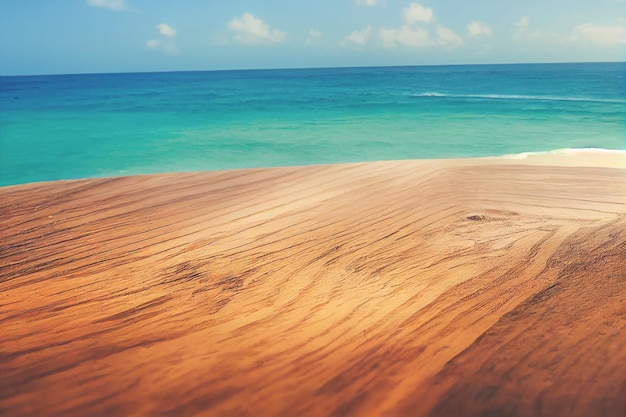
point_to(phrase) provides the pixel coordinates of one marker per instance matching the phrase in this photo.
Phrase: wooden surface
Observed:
(381, 289)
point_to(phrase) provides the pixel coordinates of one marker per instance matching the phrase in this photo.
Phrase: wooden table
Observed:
(415, 288)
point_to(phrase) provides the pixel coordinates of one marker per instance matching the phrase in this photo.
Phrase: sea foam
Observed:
(519, 97)
(565, 151)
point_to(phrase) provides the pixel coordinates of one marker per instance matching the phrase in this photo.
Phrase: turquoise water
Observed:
(75, 126)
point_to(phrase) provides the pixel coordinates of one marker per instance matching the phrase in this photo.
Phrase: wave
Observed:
(570, 151)
(519, 97)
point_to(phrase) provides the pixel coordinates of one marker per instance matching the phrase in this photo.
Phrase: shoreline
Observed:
(416, 287)
(567, 157)
(589, 157)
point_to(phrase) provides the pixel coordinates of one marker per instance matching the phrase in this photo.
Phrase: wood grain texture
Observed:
(414, 288)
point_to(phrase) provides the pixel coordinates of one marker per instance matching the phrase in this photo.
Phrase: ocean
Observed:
(97, 125)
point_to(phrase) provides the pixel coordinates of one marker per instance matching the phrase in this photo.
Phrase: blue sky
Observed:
(87, 36)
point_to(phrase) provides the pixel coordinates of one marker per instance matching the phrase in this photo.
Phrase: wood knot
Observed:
(476, 218)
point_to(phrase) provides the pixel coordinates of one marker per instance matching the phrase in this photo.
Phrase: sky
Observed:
(99, 36)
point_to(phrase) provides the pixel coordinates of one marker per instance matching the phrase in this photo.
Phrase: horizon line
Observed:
(310, 68)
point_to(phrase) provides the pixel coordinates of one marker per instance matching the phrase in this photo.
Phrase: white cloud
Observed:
(166, 44)
(358, 37)
(418, 13)
(116, 5)
(476, 28)
(368, 2)
(523, 22)
(598, 34)
(314, 35)
(525, 32)
(521, 30)
(414, 37)
(448, 37)
(166, 30)
(253, 31)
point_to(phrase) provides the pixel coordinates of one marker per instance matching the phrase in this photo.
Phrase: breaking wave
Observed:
(518, 97)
